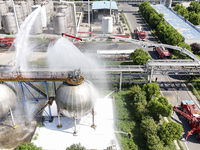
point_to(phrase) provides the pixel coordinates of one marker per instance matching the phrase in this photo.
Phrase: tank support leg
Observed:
(75, 133)
(13, 120)
(59, 125)
(93, 125)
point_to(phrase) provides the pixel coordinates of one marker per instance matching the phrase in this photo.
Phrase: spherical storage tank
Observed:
(75, 100)
(59, 23)
(7, 100)
(9, 23)
(107, 25)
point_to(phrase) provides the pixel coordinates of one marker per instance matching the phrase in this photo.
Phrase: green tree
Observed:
(159, 106)
(136, 94)
(194, 18)
(180, 9)
(28, 146)
(155, 19)
(195, 48)
(76, 147)
(140, 110)
(151, 89)
(139, 57)
(194, 6)
(148, 128)
(170, 131)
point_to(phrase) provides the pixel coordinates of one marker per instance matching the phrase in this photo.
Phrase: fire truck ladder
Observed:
(189, 118)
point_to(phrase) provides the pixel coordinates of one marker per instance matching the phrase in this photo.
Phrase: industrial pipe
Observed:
(72, 36)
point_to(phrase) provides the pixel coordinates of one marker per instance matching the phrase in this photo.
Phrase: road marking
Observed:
(187, 148)
(174, 89)
(185, 143)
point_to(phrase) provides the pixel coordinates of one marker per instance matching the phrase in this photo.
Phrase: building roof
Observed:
(189, 31)
(104, 5)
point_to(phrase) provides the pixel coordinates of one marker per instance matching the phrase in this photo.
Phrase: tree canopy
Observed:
(151, 89)
(170, 131)
(139, 57)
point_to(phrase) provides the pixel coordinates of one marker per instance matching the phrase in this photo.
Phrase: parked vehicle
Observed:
(189, 111)
(140, 33)
(163, 52)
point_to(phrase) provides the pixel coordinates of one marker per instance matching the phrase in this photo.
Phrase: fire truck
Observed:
(191, 114)
(163, 52)
(140, 33)
(6, 42)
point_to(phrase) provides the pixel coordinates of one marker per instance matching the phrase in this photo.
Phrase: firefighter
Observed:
(129, 135)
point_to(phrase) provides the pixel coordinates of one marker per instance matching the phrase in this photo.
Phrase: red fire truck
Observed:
(6, 42)
(140, 33)
(191, 114)
(163, 52)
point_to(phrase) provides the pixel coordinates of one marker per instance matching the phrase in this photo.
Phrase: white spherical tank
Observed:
(7, 100)
(75, 100)
(107, 25)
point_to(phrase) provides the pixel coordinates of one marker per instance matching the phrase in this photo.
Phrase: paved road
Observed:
(134, 19)
(175, 90)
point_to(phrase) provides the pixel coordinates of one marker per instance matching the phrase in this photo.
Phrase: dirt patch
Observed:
(11, 138)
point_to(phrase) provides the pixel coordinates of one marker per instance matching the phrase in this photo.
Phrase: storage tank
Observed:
(47, 7)
(7, 100)
(19, 14)
(9, 23)
(24, 9)
(8, 3)
(37, 25)
(107, 25)
(51, 7)
(3, 8)
(75, 99)
(64, 9)
(59, 23)
(29, 6)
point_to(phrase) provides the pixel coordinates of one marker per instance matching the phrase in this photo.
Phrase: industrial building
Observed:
(103, 8)
(190, 33)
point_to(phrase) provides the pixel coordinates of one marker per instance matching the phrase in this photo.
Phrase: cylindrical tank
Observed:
(29, 6)
(64, 9)
(59, 23)
(24, 9)
(37, 25)
(51, 7)
(107, 25)
(75, 100)
(47, 7)
(19, 14)
(7, 100)
(3, 8)
(9, 23)
(8, 3)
